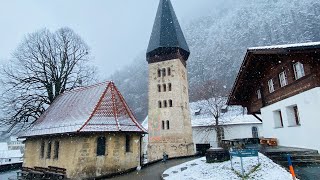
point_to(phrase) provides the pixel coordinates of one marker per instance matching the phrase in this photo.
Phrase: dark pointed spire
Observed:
(167, 40)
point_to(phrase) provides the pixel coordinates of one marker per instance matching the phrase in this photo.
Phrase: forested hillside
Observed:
(218, 43)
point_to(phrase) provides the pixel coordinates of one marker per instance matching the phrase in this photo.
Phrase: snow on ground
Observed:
(199, 169)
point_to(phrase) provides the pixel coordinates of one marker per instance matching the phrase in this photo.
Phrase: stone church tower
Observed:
(169, 121)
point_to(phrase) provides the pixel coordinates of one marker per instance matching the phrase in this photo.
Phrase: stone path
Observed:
(154, 171)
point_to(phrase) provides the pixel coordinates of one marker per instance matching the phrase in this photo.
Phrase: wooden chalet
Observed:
(282, 84)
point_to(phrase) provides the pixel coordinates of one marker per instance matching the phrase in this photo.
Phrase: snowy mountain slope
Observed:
(218, 42)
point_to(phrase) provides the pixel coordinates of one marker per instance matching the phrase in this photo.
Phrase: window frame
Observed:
(259, 93)
(170, 87)
(101, 146)
(271, 85)
(128, 143)
(170, 103)
(168, 124)
(164, 87)
(48, 155)
(159, 72)
(56, 148)
(169, 71)
(159, 104)
(42, 149)
(283, 79)
(255, 132)
(159, 88)
(163, 72)
(298, 67)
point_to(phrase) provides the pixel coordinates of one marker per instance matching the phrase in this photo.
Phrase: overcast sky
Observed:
(116, 30)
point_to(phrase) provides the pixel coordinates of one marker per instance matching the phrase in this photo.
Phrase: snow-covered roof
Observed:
(3, 146)
(234, 116)
(95, 108)
(11, 154)
(284, 46)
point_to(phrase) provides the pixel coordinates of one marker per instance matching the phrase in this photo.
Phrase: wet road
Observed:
(154, 171)
(8, 174)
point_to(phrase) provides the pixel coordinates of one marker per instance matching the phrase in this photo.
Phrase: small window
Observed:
(101, 146)
(221, 129)
(162, 124)
(170, 88)
(278, 122)
(49, 150)
(293, 116)
(159, 88)
(164, 72)
(168, 125)
(159, 104)
(283, 79)
(298, 70)
(259, 94)
(271, 86)
(255, 133)
(42, 149)
(159, 73)
(169, 71)
(165, 103)
(170, 103)
(56, 150)
(164, 87)
(128, 141)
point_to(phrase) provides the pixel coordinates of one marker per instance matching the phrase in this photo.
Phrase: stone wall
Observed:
(177, 140)
(77, 153)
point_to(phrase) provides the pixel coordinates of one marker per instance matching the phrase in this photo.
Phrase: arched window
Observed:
(164, 72)
(164, 87)
(159, 104)
(168, 125)
(255, 133)
(159, 88)
(170, 88)
(169, 71)
(165, 103)
(162, 124)
(159, 72)
(170, 103)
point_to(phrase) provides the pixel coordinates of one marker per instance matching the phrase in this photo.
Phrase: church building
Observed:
(169, 122)
(89, 131)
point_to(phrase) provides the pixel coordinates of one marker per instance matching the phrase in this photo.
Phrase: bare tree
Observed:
(44, 65)
(213, 102)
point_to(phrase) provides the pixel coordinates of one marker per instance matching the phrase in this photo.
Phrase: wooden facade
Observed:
(260, 65)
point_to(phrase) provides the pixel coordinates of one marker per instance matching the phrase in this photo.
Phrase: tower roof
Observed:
(96, 108)
(167, 37)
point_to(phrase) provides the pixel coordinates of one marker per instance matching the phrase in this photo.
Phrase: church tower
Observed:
(169, 123)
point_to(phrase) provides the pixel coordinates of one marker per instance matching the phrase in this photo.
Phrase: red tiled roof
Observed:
(96, 108)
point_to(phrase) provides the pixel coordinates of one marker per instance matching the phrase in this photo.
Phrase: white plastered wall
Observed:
(304, 136)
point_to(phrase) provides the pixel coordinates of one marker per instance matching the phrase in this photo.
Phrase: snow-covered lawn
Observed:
(199, 169)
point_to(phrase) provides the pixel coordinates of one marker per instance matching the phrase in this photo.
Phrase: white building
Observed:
(8, 156)
(282, 83)
(234, 123)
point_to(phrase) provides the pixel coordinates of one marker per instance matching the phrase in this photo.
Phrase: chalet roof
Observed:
(167, 35)
(257, 58)
(96, 108)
